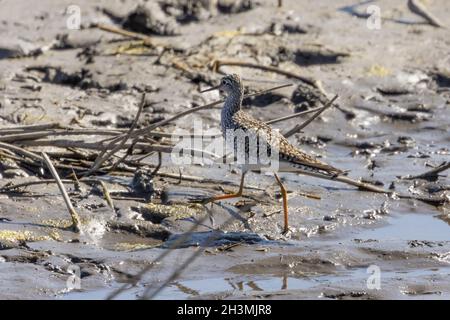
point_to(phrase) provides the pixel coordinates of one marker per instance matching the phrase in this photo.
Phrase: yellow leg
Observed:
(285, 204)
(233, 195)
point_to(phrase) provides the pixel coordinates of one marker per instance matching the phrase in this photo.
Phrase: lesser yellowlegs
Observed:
(290, 158)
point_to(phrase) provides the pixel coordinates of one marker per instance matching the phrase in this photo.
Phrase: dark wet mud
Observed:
(390, 126)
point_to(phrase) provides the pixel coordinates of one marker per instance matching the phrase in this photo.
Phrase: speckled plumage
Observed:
(232, 118)
(256, 133)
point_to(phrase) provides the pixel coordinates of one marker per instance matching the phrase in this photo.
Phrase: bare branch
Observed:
(72, 212)
(299, 127)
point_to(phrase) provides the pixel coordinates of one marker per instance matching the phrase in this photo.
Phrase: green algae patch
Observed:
(58, 223)
(379, 71)
(157, 212)
(20, 236)
(63, 223)
(128, 246)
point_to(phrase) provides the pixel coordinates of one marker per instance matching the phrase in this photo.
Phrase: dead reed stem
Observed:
(70, 208)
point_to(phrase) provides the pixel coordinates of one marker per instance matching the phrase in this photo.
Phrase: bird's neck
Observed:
(233, 102)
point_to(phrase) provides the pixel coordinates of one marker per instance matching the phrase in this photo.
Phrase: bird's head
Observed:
(231, 83)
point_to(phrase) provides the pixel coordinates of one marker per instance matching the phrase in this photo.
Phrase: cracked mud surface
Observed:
(393, 86)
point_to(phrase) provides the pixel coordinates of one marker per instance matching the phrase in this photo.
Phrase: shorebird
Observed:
(291, 159)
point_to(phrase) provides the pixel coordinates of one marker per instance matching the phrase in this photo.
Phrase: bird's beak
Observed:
(211, 89)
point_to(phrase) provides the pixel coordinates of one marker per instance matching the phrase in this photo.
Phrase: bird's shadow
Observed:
(222, 238)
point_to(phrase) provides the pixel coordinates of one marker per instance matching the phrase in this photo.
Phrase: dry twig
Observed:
(216, 64)
(299, 127)
(107, 195)
(429, 174)
(418, 8)
(72, 212)
(129, 34)
(103, 157)
(298, 114)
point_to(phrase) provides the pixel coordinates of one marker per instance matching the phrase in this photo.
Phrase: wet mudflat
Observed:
(392, 125)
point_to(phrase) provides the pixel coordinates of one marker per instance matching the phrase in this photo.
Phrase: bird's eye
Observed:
(224, 82)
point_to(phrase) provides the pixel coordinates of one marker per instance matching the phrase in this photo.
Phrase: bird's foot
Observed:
(286, 231)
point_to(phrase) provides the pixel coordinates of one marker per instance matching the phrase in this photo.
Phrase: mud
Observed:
(391, 122)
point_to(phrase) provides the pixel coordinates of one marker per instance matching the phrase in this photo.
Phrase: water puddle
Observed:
(398, 227)
(192, 288)
(409, 227)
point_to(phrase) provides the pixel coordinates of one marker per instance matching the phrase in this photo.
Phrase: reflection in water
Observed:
(186, 289)
(190, 288)
(402, 228)
(285, 283)
(226, 287)
(254, 286)
(194, 288)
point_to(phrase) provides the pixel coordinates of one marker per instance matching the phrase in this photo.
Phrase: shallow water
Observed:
(409, 227)
(191, 289)
(194, 288)
(398, 228)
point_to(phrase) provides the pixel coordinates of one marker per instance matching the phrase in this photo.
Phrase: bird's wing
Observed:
(286, 150)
